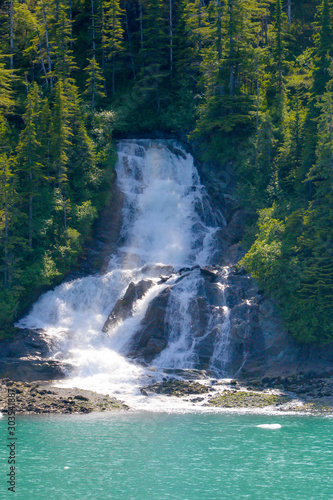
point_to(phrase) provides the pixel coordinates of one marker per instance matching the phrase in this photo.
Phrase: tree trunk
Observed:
(103, 49)
(199, 26)
(93, 28)
(6, 266)
(113, 77)
(257, 78)
(219, 32)
(11, 34)
(30, 220)
(141, 35)
(41, 55)
(266, 27)
(47, 46)
(71, 21)
(130, 43)
(231, 51)
(65, 214)
(289, 13)
(171, 38)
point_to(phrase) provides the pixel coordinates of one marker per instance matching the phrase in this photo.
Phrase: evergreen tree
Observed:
(6, 93)
(323, 49)
(7, 194)
(155, 49)
(95, 82)
(65, 61)
(113, 36)
(28, 156)
(61, 142)
(322, 171)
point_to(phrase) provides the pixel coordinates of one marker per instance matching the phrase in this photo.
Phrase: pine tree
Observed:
(95, 82)
(278, 46)
(6, 93)
(323, 49)
(28, 164)
(61, 141)
(154, 52)
(7, 194)
(186, 72)
(65, 61)
(113, 36)
(322, 171)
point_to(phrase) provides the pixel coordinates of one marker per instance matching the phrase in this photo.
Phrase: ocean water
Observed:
(181, 456)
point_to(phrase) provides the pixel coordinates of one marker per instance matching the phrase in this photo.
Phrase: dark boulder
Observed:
(151, 339)
(123, 308)
(29, 370)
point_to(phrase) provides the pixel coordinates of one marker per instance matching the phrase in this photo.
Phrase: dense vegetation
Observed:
(251, 81)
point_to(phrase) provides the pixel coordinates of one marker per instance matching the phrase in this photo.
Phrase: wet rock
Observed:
(81, 398)
(209, 272)
(123, 308)
(25, 343)
(152, 336)
(178, 388)
(189, 373)
(156, 270)
(31, 369)
(50, 399)
(231, 235)
(242, 399)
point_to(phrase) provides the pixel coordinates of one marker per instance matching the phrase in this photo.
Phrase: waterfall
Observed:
(160, 305)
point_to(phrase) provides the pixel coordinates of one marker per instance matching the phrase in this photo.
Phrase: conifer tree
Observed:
(186, 72)
(65, 61)
(155, 49)
(95, 82)
(113, 36)
(6, 93)
(7, 194)
(323, 48)
(62, 133)
(28, 155)
(322, 171)
(278, 46)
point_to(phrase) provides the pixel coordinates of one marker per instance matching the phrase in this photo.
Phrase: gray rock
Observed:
(151, 339)
(123, 308)
(29, 370)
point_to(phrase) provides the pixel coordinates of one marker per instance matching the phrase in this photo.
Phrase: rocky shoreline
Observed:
(298, 393)
(42, 397)
(301, 393)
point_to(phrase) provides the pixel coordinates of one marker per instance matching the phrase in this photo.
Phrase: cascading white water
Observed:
(167, 225)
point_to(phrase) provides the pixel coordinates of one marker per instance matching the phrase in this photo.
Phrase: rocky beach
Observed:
(298, 393)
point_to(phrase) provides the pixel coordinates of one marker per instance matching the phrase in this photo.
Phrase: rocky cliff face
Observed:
(259, 342)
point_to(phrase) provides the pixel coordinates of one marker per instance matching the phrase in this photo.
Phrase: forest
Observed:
(250, 81)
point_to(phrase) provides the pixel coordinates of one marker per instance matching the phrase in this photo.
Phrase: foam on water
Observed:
(269, 426)
(167, 221)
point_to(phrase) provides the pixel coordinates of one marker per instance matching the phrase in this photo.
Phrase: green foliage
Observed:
(6, 93)
(95, 83)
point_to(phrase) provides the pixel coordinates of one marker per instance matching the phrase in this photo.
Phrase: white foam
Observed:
(269, 426)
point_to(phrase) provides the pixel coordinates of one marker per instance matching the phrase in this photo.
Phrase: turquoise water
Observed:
(171, 456)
